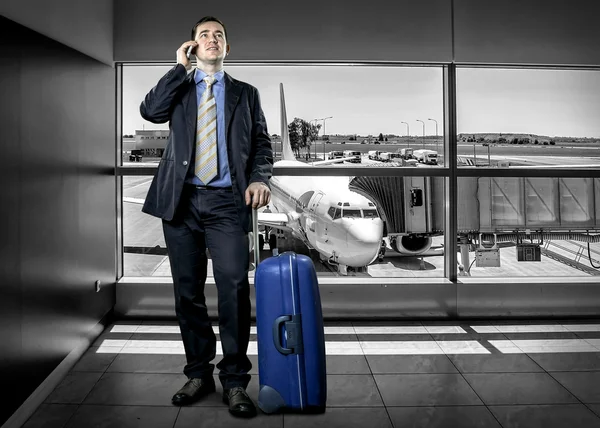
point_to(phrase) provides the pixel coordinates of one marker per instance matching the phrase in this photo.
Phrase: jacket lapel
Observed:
(190, 104)
(232, 95)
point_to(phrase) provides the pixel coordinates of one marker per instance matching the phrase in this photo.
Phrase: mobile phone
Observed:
(190, 51)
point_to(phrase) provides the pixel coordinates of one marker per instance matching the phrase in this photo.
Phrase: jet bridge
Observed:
(490, 209)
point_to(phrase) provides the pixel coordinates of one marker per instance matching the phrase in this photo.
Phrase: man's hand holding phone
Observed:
(185, 52)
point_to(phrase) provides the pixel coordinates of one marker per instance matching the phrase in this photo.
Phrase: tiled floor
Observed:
(429, 374)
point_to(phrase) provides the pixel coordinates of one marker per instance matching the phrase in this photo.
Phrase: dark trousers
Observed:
(209, 219)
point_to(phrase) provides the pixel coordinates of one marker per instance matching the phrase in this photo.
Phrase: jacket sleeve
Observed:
(156, 107)
(262, 159)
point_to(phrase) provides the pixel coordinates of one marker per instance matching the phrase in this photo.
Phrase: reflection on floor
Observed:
(402, 374)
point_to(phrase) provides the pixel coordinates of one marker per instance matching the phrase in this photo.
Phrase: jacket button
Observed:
(184, 163)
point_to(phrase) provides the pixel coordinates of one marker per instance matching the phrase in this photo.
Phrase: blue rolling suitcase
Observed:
(290, 334)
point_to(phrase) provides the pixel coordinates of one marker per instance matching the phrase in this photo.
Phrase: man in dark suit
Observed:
(208, 108)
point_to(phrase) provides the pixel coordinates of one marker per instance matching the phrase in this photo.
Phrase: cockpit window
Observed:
(370, 213)
(351, 213)
(334, 212)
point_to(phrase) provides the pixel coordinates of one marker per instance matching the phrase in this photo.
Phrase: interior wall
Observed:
(556, 32)
(84, 25)
(552, 32)
(57, 199)
(312, 30)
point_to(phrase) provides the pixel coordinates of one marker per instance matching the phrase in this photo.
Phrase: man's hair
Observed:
(208, 19)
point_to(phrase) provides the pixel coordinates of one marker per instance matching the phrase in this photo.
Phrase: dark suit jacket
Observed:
(249, 149)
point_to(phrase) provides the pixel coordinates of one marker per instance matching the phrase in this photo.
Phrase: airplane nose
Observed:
(365, 232)
(363, 242)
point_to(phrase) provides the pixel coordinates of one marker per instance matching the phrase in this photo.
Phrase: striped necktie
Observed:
(206, 135)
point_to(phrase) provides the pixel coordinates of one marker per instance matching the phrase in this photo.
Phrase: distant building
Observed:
(151, 143)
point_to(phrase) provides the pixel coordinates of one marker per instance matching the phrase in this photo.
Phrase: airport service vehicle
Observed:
(426, 156)
(406, 153)
(384, 157)
(135, 156)
(374, 154)
(335, 155)
(350, 153)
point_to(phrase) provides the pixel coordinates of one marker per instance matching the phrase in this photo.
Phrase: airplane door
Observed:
(311, 222)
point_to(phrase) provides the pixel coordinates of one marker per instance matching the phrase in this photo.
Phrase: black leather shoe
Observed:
(239, 403)
(193, 390)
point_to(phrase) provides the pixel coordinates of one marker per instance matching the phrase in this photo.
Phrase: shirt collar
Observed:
(199, 75)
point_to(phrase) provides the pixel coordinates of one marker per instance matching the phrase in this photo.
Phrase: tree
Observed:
(302, 134)
(380, 137)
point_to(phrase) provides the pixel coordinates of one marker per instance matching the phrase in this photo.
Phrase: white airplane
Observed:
(343, 226)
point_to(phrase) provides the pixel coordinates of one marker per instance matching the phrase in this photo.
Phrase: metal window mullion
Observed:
(119, 268)
(451, 184)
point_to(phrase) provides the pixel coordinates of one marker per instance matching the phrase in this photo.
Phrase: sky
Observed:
(367, 100)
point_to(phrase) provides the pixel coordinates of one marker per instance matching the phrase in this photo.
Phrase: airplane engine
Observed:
(411, 245)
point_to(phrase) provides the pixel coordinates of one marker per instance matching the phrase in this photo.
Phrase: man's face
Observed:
(212, 45)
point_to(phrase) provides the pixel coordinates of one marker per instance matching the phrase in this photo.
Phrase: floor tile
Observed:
(352, 390)
(147, 363)
(518, 388)
(210, 417)
(543, 335)
(347, 364)
(352, 417)
(51, 416)
(123, 417)
(595, 408)
(93, 361)
(584, 385)
(554, 416)
(135, 389)
(74, 388)
(395, 337)
(382, 364)
(341, 337)
(581, 326)
(464, 347)
(156, 336)
(559, 346)
(425, 390)
(401, 348)
(491, 363)
(482, 338)
(442, 417)
(108, 335)
(584, 361)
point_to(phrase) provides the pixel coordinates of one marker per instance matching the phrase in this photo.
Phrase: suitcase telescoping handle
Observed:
(255, 237)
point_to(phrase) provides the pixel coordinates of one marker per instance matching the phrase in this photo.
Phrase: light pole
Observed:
(423, 131)
(323, 119)
(407, 134)
(437, 149)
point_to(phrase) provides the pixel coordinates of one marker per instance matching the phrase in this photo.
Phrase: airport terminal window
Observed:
(507, 118)
(516, 120)
(536, 227)
(528, 117)
(405, 117)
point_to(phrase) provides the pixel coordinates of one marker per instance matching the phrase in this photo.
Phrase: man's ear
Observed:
(227, 50)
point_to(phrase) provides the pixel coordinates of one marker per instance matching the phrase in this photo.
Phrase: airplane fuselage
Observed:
(343, 226)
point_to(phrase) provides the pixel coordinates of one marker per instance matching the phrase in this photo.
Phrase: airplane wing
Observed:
(331, 161)
(138, 201)
(276, 220)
